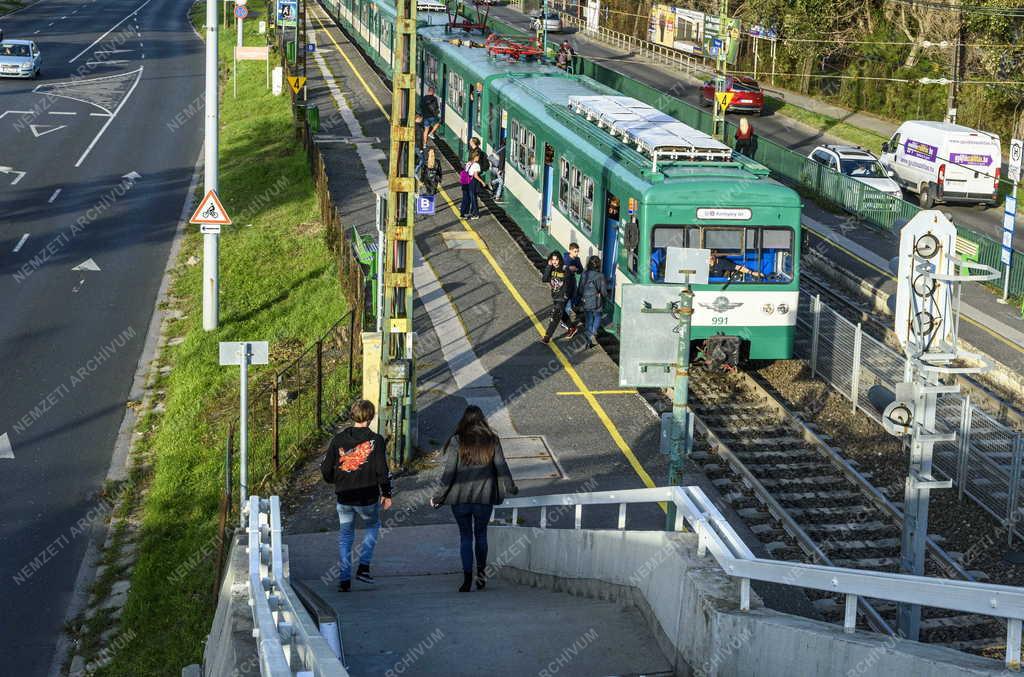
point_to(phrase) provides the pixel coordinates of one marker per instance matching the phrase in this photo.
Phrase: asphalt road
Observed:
(98, 172)
(775, 127)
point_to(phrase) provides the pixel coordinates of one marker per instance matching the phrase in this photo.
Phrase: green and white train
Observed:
(584, 164)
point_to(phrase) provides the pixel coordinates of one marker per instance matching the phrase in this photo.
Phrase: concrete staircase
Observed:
(414, 622)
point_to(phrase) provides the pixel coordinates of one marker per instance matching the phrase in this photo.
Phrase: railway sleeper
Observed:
(828, 496)
(848, 545)
(787, 482)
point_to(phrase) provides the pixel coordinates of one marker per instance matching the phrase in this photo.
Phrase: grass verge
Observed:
(823, 123)
(278, 283)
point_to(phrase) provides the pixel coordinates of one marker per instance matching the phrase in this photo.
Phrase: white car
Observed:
(552, 22)
(20, 59)
(945, 162)
(859, 165)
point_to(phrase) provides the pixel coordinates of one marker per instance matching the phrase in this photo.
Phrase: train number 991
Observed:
(719, 321)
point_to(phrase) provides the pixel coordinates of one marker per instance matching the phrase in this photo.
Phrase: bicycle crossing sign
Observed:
(210, 212)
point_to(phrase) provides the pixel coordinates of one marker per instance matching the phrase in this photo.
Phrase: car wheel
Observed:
(984, 205)
(926, 198)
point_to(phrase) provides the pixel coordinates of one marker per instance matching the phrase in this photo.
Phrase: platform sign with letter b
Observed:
(425, 204)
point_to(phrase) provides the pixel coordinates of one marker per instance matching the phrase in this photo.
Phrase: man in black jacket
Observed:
(356, 464)
(430, 107)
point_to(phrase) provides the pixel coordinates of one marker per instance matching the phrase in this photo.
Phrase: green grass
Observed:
(278, 283)
(823, 123)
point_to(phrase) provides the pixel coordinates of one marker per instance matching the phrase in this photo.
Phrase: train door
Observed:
(611, 239)
(548, 180)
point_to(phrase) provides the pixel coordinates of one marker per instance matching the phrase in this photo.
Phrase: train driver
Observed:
(720, 266)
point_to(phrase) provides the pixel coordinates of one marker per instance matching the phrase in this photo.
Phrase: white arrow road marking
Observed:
(11, 170)
(21, 243)
(77, 287)
(54, 196)
(6, 451)
(88, 264)
(132, 176)
(49, 129)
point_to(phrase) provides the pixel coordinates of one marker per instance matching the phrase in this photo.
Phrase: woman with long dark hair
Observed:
(475, 479)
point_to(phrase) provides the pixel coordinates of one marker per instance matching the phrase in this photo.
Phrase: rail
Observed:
(715, 535)
(288, 641)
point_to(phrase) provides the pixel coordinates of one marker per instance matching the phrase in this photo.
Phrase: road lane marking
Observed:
(106, 62)
(54, 196)
(570, 370)
(11, 170)
(113, 115)
(57, 112)
(49, 129)
(21, 243)
(598, 392)
(6, 451)
(88, 264)
(93, 44)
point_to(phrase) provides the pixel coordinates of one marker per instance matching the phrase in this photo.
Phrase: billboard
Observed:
(693, 32)
(287, 13)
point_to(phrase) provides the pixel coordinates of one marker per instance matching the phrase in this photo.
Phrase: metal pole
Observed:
(855, 375)
(319, 385)
(243, 429)
(240, 39)
(544, 30)
(211, 282)
(682, 443)
(816, 324)
(1009, 258)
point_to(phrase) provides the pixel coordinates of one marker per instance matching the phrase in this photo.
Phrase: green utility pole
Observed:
(544, 30)
(721, 66)
(398, 376)
(682, 420)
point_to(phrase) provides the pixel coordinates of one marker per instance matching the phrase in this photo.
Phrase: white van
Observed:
(944, 162)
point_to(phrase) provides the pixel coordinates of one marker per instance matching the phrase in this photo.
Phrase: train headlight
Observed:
(782, 309)
(767, 309)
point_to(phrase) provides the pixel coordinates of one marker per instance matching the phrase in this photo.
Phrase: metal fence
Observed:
(985, 460)
(864, 203)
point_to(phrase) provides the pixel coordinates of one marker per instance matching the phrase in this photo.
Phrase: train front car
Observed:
(751, 227)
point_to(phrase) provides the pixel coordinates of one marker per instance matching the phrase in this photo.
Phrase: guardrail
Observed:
(715, 535)
(288, 641)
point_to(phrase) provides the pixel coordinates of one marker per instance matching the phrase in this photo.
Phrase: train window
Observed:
(726, 239)
(456, 91)
(575, 195)
(768, 251)
(563, 185)
(587, 215)
(524, 149)
(430, 71)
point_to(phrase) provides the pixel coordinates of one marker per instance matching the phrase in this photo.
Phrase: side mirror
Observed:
(885, 147)
(890, 173)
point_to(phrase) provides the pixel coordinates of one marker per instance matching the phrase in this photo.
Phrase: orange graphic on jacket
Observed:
(350, 461)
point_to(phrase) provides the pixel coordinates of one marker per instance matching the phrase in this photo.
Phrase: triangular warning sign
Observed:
(724, 98)
(210, 211)
(296, 82)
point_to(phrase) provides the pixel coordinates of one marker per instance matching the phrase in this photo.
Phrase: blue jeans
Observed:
(593, 323)
(472, 519)
(498, 186)
(469, 205)
(370, 515)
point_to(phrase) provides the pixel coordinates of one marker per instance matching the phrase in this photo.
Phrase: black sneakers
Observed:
(363, 574)
(344, 586)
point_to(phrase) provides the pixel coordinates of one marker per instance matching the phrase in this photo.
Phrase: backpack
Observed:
(484, 163)
(464, 178)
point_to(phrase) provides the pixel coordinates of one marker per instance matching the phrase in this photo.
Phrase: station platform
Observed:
(864, 252)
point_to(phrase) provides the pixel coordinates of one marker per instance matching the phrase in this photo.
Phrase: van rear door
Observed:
(972, 163)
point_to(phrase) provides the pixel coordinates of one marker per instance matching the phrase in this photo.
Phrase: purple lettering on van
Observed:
(921, 150)
(970, 159)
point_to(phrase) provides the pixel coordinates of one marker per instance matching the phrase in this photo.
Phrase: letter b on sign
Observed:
(425, 204)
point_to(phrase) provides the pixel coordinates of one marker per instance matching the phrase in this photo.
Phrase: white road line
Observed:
(21, 243)
(113, 115)
(51, 23)
(59, 112)
(111, 51)
(106, 62)
(98, 115)
(133, 13)
(63, 17)
(23, 9)
(54, 196)
(36, 33)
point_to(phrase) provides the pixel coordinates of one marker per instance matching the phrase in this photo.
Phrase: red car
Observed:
(749, 95)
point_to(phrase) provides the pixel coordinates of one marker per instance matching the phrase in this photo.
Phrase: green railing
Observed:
(869, 205)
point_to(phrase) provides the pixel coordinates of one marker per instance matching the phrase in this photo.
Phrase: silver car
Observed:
(20, 59)
(552, 22)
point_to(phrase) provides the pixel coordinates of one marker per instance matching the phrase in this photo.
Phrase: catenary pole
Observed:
(211, 242)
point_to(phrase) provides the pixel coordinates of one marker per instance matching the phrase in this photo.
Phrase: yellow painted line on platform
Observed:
(598, 392)
(988, 330)
(589, 395)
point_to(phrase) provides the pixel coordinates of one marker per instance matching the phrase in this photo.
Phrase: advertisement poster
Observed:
(693, 32)
(287, 13)
(663, 25)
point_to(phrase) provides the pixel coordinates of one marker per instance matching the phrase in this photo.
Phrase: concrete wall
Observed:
(230, 647)
(693, 608)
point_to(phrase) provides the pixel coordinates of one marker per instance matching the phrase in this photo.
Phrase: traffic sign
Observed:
(296, 82)
(210, 211)
(724, 98)
(310, 46)
(241, 2)
(1013, 166)
(241, 11)
(425, 204)
(1009, 222)
(209, 229)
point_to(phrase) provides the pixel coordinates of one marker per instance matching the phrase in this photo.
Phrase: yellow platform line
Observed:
(616, 436)
(885, 273)
(598, 392)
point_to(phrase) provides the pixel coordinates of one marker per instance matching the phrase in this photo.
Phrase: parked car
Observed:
(858, 164)
(20, 59)
(945, 162)
(552, 22)
(749, 97)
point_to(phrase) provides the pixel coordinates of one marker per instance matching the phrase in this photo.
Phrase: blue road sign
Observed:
(425, 204)
(241, 12)
(1009, 221)
(310, 47)
(716, 46)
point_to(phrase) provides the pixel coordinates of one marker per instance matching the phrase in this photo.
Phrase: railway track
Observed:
(797, 493)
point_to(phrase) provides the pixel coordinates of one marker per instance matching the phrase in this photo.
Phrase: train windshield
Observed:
(738, 254)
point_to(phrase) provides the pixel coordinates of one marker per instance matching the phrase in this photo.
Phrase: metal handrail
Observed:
(287, 640)
(715, 534)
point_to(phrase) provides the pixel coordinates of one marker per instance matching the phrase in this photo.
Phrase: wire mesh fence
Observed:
(985, 460)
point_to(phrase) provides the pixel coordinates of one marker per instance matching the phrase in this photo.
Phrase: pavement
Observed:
(94, 172)
(413, 621)
(995, 329)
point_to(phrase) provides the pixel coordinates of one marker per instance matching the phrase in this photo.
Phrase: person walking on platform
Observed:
(470, 180)
(745, 140)
(475, 479)
(573, 267)
(555, 277)
(357, 465)
(594, 292)
(498, 173)
(430, 173)
(430, 107)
